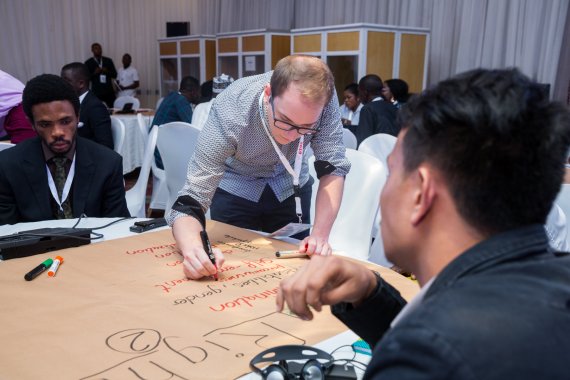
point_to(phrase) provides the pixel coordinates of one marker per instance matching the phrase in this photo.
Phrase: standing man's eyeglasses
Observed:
(286, 126)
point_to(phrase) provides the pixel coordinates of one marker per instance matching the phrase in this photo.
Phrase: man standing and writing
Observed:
(478, 163)
(58, 175)
(250, 163)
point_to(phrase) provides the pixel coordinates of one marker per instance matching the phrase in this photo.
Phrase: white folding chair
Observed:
(159, 196)
(158, 102)
(143, 127)
(120, 102)
(351, 232)
(119, 131)
(349, 139)
(379, 146)
(136, 196)
(5, 145)
(176, 143)
(200, 114)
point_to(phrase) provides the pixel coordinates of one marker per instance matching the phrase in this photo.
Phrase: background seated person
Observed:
(377, 115)
(177, 106)
(128, 78)
(350, 109)
(58, 174)
(396, 92)
(472, 178)
(213, 87)
(93, 115)
(14, 125)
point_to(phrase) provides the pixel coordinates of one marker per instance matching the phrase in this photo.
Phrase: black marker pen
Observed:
(208, 248)
(38, 270)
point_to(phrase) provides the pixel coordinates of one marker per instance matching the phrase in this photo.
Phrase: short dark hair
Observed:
(79, 71)
(206, 90)
(189, 83)
(399, 89)
(47, 88)
(498, 141)
(352, 88)
(371, 83)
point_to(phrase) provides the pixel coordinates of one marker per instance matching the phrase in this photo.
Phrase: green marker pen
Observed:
(38, 270)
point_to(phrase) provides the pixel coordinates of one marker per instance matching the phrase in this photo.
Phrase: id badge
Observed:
(103, 78)
(290, 229)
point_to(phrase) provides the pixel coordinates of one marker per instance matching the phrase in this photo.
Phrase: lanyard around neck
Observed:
(66, 187)
(296, 171)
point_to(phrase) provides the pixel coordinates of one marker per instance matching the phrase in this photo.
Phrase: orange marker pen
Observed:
(56, 263)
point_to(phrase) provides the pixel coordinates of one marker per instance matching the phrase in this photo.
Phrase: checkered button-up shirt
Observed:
(234, 152)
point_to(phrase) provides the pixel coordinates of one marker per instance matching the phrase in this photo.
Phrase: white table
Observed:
(114, 231)
(133, 148)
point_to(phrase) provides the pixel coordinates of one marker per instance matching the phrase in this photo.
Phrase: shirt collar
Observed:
(82, 96)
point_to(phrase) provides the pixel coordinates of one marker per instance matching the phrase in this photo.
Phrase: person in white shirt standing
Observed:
(128, 78)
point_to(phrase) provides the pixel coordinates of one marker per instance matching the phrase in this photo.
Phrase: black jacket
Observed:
(97, 189)
(376, 117)
(96, 121)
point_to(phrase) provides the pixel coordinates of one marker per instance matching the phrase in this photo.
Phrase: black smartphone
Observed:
(147, 225)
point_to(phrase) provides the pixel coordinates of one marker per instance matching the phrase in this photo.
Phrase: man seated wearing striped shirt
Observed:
(250, 163)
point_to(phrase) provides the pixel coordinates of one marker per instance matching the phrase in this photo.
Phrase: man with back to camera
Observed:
(95, 122)
(102, 71)
(58, 175)
(249, 161)
(214, 87)
(377, 115)
(473, 175)
(177, 106)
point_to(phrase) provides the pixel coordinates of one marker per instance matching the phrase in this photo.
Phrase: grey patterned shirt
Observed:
(234, 152)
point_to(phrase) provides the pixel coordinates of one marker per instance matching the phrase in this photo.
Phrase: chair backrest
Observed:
(200, 114)
(348, 138)
(379, 146)
(122, 100)
(5, 145)
(143, 127)
(119, 131)
(351, 232)
(176, 143)
(136, 196)
(158, 102)
(159, 197)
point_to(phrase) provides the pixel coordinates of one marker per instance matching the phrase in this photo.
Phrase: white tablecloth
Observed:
(133, 149)
(114, 231)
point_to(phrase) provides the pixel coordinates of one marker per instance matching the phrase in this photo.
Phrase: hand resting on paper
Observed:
(197, 264)
(325, 281)
(315, 244)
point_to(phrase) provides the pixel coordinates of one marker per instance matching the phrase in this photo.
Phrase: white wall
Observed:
(40, 36)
